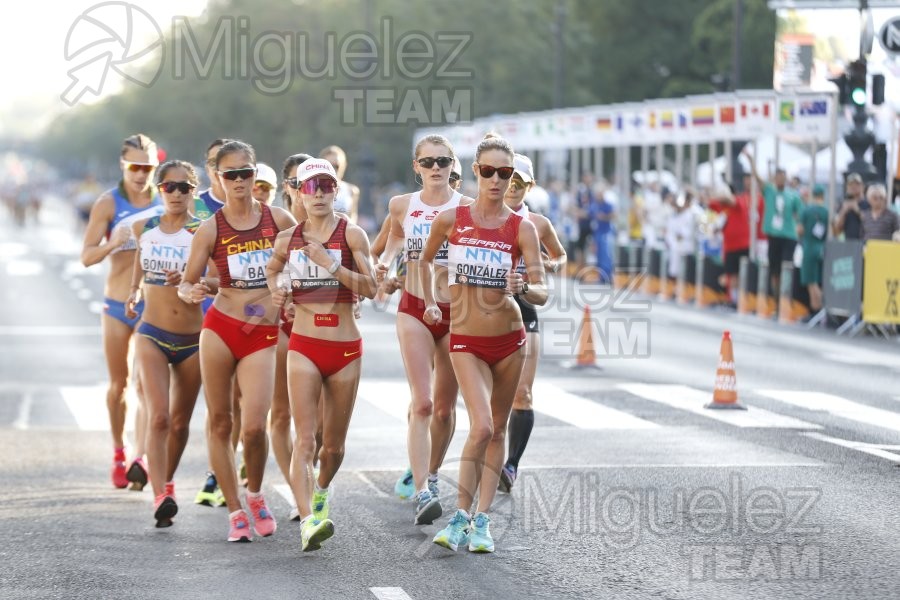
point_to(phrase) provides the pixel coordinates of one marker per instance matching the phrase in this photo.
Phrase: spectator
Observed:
(848, 219)
(783, 206)
(602, 215)
(735, 234)
(584, 199)
(656, 214)
(813, 230)
(681, 233)
(879, 223)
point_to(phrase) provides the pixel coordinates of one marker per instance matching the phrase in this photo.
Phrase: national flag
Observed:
(755, 110)
(604, 123)
(727, 114)
(813, 108)
(786, 111)
(703, 116)
(682, 120)
(620, 122)
(651, 119)
(667, 120)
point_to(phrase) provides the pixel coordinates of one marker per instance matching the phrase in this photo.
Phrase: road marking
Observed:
(692, 400)
(390, 593)
(285, 492)
(87, 403)
(380, 493)
(12, 249)
(48, 331)
(24, 414)
(857, 356)
(555, 402)
(24, 268)
(858, 446)
(730, 465)
(837, 406)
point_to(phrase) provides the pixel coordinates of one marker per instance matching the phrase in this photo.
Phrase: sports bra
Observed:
(313, 283)
(417, 226)
(241, 255)
(481, 256)
(126, 215)
(161, 251)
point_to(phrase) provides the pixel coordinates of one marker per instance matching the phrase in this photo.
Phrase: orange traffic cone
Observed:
(586, 356)
(725, 390)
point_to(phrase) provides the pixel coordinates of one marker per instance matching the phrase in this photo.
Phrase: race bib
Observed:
(819, 230)
(777, 222)
(482, 267)
(248, 269)
(306, 274)
(158, 258)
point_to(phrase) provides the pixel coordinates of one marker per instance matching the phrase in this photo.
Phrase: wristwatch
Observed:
(334, 267)
(525, 287)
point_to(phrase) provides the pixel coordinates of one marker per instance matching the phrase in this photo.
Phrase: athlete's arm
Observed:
(354, 202)
(380, 241)
(275, 267)
(137, 272)
(530, 247)
(550, 241)
(94, 250)
(283, 219)
(193, 289)
(395, 239)
(363, 281)
(440, 232)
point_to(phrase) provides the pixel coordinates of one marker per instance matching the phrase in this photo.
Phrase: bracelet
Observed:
(334, 267)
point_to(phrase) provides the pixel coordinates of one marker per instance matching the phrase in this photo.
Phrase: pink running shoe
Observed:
(263, 521)
(164, 509)
(170, 489)
(118, 470)
(137, 475)
(240, 528)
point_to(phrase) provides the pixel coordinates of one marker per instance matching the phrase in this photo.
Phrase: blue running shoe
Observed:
(433, 488)
(428, 508)
(320, 505)
(404, 488)
(480, 539)
(455, 534)
(507, 478)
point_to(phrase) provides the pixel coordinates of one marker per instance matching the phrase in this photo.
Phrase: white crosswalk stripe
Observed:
(837, 406)
(692, 400)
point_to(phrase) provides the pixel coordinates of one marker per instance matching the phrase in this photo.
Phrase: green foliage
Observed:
(614, 51)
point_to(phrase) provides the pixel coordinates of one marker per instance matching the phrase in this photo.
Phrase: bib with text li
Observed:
(306, 274)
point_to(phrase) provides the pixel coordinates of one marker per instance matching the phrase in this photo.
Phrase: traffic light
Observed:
(856, 82)
(843, 93)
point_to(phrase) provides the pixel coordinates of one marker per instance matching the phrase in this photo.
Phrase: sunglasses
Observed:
(169, 187)
(309, 187)
(454, 177)
(138, 167)
(487, 171)
(264, 186)
(518, 184)
(233, 174)
(428, 161)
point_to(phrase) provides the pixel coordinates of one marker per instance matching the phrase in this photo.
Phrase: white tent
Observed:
(788, 156)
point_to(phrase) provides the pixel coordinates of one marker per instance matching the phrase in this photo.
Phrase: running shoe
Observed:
(320, 505)
(480, 539)
(137, 475)
(263, 522)
(294, 515)
(433, 488)
(118, 471)
(313, 532)
(428, 508)
(165, 508)
(507, 478)
(208, 495)
(239, 527)
(405, 487)
(455, 534)
(170, 489)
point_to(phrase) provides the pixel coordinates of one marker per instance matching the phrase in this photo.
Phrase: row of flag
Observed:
(804, 117)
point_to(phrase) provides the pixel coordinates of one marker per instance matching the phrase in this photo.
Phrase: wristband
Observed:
(334, 267)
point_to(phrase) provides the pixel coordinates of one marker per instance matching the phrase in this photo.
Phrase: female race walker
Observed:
(328, 262)
(111, 217)
(240, 331)
(522, 419)
(169, 333)
(424, 346)
(487, 339)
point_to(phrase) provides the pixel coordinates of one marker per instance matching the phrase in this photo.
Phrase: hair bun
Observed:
(491, 135)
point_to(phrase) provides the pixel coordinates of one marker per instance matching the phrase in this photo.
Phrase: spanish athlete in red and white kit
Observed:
(240, 330)
(486, 241)
(327, 258)
(425, 346)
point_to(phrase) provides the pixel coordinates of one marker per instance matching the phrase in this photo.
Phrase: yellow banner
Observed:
(881, 285)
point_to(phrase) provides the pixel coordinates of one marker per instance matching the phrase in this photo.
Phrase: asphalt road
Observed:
(628, 489)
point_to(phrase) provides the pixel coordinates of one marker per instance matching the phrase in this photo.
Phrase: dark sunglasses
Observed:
(309, 187)
(233, 174)
(135, 167)
(454, 177)
(487, 171)
(169, 187)
(428, 161)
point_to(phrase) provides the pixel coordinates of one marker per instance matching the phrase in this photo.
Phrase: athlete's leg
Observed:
(116, 338)
(417, 349)
(443, 421)
(305, 388)
(256, 376)
(475, 383)
(185, 388)
(155, 373)
(340, 396)
(522, 419)
(280, 417)
(217, 365)
(506, 375)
